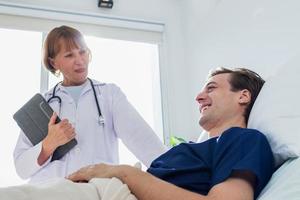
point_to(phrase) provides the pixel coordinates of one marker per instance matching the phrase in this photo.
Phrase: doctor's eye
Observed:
(68, 55)
(82, 51)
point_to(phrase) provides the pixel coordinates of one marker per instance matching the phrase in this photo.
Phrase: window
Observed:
(20, 59)
(135, 70)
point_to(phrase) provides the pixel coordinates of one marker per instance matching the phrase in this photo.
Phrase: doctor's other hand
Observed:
(96, 171)
(58, 134)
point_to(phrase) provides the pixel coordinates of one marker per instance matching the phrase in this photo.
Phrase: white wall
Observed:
(258, 34)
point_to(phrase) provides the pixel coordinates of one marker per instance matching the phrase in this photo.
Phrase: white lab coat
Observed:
(96, 143)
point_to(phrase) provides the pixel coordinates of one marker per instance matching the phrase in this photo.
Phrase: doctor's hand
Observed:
(97, 171)
(58, 134)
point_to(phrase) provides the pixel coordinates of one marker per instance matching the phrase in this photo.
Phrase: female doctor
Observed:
(95, 114)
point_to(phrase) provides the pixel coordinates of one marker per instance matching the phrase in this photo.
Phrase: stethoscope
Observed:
(101, 118)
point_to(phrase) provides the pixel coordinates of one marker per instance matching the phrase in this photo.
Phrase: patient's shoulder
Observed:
(243, 134)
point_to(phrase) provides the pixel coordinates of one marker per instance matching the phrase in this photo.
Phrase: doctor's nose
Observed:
(80, 59)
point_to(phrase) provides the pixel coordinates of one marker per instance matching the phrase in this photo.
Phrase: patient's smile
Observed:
(204, 107)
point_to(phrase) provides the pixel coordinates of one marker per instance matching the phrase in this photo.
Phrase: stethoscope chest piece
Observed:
(101, 120)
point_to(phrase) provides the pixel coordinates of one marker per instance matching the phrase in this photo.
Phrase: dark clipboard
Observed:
(33, 119)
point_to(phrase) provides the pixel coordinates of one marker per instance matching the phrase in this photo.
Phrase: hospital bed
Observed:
(276, 113)
(63, 189)
(285, 183)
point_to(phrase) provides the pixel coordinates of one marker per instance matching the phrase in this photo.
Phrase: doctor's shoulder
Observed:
(108, 89)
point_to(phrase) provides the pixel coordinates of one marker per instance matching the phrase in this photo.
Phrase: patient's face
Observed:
(217, 103)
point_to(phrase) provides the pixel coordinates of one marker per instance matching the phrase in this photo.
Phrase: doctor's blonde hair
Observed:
(56, 38)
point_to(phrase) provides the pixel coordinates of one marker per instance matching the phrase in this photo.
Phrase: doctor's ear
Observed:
(51, 62)
(245, 97)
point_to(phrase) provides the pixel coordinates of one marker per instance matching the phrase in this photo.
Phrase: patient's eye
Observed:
(210, 88)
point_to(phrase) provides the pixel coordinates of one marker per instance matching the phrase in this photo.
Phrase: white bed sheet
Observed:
(285, 183)
(62, 189)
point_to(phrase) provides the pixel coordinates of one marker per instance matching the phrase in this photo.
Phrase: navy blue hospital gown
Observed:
(197, 167)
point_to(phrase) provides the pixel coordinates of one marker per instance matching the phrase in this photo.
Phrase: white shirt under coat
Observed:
(96, 143)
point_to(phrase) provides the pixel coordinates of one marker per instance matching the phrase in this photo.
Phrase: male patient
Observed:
(235, 163)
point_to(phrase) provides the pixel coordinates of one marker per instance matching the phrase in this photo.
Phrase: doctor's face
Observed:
(73, 63)
(217, 103)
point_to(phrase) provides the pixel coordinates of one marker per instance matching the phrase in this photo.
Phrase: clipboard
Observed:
(33, 118)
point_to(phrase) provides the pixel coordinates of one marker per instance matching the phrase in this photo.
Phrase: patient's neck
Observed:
(218, 129)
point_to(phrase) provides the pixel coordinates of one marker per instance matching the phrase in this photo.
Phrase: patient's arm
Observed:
(147, 187)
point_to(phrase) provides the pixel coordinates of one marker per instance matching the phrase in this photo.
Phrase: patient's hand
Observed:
(95, 171)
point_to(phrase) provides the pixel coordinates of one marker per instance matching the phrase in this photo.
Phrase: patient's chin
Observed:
(202, 122)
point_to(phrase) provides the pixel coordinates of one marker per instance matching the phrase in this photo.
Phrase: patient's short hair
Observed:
(242, 78)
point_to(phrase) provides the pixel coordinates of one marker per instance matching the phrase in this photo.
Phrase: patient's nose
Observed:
(201, 96)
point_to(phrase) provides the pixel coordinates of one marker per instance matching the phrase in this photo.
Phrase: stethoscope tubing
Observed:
(101, 119)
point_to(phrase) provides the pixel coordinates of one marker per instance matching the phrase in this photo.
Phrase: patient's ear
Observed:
(245, 97)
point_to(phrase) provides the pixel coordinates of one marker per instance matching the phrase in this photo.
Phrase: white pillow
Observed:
(284, 183)
(276, 112)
